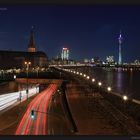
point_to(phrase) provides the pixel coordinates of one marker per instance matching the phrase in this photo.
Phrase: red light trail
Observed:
(36, 126)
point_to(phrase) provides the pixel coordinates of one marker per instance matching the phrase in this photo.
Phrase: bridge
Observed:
(98, 65)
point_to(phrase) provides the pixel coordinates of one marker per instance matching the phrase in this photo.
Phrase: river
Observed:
(122, 81)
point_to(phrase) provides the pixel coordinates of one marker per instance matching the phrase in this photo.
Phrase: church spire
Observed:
(31, 45)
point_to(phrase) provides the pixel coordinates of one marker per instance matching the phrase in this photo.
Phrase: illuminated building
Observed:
(16, 59)
(110, 59)
(86, 60)
(65, 54)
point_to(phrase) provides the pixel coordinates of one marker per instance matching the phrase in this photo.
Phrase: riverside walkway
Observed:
(94, 115)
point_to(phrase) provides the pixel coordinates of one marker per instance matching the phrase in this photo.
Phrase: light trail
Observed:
(37, 126)
(7, 100)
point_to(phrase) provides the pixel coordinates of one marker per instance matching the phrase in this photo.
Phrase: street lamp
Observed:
(99, 83)
(125, 98)
(109, 88)
(87, 77)
(81, 74)
(37, 73)
(27, 63)
(93, 80)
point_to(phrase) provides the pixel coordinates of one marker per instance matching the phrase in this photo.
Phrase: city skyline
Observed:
(87, 31)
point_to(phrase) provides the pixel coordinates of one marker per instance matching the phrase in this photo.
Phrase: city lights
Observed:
(27, 63)
(125, 98)
(99, 83)
(15, 77)
(88, 77)
(84, 75)
(109, 88)
(93, 80)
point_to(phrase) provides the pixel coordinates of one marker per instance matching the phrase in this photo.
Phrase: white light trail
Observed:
(9, 99)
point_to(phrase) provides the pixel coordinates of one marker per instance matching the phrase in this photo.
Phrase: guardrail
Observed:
(6, 100)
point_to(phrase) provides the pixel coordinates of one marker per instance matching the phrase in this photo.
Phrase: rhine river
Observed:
(122, 81)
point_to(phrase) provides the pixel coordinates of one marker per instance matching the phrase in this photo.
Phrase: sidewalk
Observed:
(88, 115)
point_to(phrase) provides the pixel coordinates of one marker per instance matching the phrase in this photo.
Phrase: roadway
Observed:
(38, 125)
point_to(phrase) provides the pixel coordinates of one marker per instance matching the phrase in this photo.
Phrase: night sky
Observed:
(87, 31)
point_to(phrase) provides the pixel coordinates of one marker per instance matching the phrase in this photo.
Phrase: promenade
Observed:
(90, 116)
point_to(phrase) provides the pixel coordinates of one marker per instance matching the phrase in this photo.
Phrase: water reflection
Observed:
(110, 78)
(119, 81)
(122, 81)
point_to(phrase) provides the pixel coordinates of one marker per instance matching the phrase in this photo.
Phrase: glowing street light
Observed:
(109, 88)
(84, 75)
(27, 63)
(87, 77)
(77, 72)
(81, 74)
(99, 83)
(15, 77)
(125, 98)
(93, 80)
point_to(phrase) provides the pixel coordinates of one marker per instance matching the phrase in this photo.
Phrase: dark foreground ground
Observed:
(88, 114)
(91, 112)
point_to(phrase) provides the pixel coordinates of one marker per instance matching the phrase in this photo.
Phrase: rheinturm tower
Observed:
(31, 45)
(120, 51)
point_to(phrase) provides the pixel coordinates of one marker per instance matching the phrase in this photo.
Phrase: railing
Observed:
(6, 100)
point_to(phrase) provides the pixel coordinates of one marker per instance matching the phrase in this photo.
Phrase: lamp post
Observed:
(99, 84)
(125, 98)
(109, 89)
(27, 63)
(37, 73)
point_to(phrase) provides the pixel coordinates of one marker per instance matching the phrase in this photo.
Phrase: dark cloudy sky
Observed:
(87, 30)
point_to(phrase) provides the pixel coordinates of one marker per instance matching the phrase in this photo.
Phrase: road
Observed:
(38, 125)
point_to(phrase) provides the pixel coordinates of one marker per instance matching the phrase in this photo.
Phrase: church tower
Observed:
(31, 45)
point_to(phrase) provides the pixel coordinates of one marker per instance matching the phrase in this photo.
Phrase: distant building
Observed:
(110, 59)
(16, 59)
(86, 60)
(65, 54)
(96, 60)
(137, 62)
(92, 60)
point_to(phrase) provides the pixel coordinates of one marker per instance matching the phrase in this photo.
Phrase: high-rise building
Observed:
(120, 51)
(31, 45)
(65, 54)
